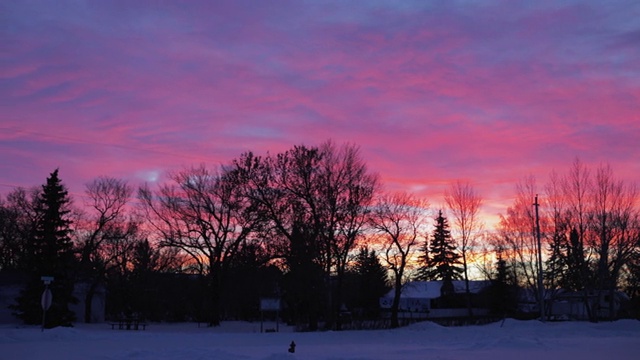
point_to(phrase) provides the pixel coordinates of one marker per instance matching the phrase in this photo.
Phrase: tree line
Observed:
(311, 226)
(590, 226)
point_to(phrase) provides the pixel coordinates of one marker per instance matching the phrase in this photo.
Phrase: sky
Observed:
(511, 339)
(431, 91)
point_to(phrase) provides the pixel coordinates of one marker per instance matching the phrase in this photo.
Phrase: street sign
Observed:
(46, 299)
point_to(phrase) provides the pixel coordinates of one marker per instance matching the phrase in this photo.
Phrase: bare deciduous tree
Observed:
(613, 229)
(17, 225)
(464, 204)
(105, 234)
(204, 215)
(322, 192)
(347, 190)
(400, 219)
(516, 234)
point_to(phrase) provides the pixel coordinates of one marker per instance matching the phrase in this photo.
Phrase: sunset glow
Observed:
(432, 91)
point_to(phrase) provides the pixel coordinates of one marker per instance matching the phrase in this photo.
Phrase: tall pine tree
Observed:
(50, 254)
(443, 262)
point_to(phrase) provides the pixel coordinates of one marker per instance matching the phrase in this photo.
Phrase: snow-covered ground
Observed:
(513, 340)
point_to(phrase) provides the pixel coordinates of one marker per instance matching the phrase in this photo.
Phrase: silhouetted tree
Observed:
(422, 272)
(50, 254)
(304, 285)
(632, 287)
(368, 282)
(614, 230)
(556, 265)
(107, 229)
(502, 292)
(117, 256)
(398, 219)
(251, 277)
(347, 188)
(17, 228)
(204, 215)
(326, 188)
(444, 261)
(516, 236)
(154, 292)
(464, 203)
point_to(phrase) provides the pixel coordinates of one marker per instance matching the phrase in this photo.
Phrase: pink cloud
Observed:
(488, 92)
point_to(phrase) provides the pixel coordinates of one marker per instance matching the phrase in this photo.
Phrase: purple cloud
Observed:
(432, 92)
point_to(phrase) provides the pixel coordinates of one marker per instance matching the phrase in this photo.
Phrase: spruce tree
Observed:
(557, 263)
(444, 261)
(502, 293)
(50, 254)
(422, 274)
(371, 282)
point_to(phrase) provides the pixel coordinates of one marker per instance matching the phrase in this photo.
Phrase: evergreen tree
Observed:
(576, 276)
(556, 265)
(143, 280)
(422, 274)
(303, 283)
(502, 271)
(251, 278)
(444, 262)
(370, 282)
(502, 291)
(50, 254)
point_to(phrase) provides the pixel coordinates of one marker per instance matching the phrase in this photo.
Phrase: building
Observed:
(576, 305)
(420, 300)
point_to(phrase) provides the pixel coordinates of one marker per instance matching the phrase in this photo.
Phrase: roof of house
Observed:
(431, 289)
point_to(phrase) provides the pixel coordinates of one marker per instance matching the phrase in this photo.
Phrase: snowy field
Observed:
(514, 340)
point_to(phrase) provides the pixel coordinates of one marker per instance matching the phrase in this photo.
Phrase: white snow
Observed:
(235, 340)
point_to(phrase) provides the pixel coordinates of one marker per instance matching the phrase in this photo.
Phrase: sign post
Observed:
(47, 298)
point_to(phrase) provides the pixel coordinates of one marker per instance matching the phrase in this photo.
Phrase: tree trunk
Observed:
(214, 311)
(466, 285)
(338, 300)
(88, 302)
(396, 302)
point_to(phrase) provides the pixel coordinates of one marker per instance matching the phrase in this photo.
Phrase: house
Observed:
(561, 304)
(420, 299)
(575, 305)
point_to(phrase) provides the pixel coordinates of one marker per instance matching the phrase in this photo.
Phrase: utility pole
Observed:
(540, 288)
